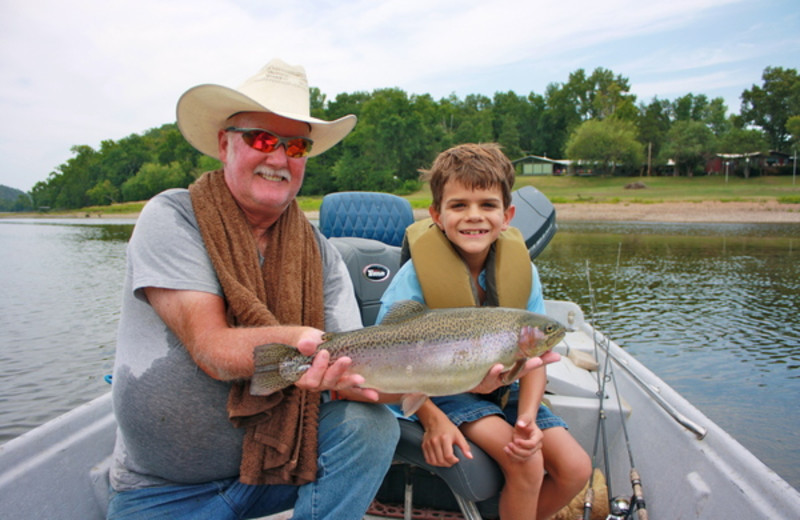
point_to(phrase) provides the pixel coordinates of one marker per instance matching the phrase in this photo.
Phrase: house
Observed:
(763, 163)
(538, 165)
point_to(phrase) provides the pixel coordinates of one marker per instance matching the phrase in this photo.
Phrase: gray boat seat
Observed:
(366, 214)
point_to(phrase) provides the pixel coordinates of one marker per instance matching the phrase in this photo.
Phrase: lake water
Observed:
(711, 309)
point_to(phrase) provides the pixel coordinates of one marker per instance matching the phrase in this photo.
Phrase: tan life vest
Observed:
(445, 278)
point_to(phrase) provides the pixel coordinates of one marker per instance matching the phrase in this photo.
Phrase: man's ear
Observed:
(222, 146)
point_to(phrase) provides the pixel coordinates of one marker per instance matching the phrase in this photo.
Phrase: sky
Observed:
(85, 71)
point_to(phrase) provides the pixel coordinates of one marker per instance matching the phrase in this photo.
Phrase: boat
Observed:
(660, 457)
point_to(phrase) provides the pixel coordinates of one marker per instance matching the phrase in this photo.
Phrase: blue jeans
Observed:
(356, 445)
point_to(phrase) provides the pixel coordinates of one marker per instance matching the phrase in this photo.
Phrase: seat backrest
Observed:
(365, 214)
(372, 265)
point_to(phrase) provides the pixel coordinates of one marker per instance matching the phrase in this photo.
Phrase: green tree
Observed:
(610, 95)
(716, 116)
(319, 176)
(168, 145)
(396, 136)
(533, 138)
(742, 140)
(473, 121)
(793, 127)
(689, 107)
(653, 123)
(153, 178)
(103, 193)
(560, 117)
(78, 175)
(608, 143)
(689, 143)
(771, 105)
(43, 192)
(120, 160)
(23, 203)
(508, 112)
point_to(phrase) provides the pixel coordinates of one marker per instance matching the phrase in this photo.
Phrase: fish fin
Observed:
(412, 403)
(403, 310)
(511, 374)
(267, 377)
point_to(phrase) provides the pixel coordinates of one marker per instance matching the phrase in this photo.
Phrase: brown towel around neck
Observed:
(280, 442)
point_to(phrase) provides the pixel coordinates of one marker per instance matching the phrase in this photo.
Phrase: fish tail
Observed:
(268, 377)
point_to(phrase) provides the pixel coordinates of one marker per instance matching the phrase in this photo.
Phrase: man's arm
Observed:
(226, 353)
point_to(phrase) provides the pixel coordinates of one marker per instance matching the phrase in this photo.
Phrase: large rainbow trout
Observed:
(421, 352)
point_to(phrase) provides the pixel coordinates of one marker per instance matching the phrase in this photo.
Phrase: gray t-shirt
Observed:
(172, 422)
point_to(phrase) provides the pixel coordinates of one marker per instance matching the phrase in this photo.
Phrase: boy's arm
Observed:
(531, 392)
(527, 437)
(440, 436)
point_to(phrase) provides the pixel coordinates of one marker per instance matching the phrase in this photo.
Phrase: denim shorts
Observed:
(469, 407)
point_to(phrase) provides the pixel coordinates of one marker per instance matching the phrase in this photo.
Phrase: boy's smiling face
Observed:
(472, 219)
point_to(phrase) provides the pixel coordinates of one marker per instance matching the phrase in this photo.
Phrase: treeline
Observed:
(592, 118)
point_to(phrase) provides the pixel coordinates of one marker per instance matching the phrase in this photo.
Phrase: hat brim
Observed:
(203, 110)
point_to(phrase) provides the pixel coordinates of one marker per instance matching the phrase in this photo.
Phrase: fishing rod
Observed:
(588, 500)
(620, 509)
(699, 431)
(637, 502)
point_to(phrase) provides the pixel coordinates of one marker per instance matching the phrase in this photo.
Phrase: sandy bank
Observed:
(709, 211)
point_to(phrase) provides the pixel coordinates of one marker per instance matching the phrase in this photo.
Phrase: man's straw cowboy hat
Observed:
(278, 88)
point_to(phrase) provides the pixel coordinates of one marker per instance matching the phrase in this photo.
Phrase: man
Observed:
(213, 272)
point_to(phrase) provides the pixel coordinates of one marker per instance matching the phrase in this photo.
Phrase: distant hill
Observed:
(7, 193)
(10, 199)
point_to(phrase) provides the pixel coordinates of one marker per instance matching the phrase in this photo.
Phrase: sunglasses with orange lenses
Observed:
(267, 142)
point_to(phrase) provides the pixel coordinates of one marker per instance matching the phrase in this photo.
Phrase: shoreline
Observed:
(767, 212)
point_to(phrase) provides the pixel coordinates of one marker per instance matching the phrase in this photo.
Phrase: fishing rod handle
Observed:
(638, 495)
(587, 503)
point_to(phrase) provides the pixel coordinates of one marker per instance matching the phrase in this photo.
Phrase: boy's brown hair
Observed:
(476, 166)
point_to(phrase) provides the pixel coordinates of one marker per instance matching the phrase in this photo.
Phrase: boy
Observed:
(457, 261)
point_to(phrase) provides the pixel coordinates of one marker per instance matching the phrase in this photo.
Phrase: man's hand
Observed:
(494, 378)
(322, 375)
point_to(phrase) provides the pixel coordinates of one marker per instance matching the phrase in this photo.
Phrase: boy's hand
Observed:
(526, 439)
(494, 378)
(438, 442)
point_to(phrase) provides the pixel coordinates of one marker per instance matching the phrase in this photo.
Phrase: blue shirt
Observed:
(405, 286)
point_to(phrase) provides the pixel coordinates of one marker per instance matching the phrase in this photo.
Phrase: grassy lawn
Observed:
(657, 189)
(664, 189)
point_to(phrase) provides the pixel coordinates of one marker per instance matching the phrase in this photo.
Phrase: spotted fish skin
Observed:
(416, 350)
